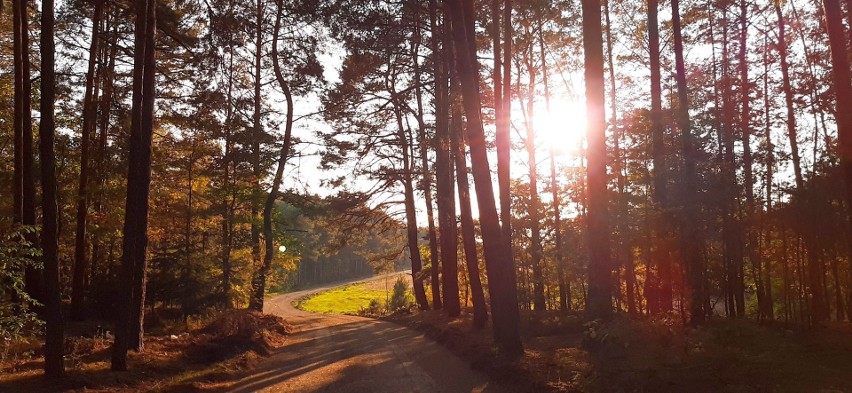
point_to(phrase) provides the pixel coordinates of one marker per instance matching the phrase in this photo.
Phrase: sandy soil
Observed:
(341, 353)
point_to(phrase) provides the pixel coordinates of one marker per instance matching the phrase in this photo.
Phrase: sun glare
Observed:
(563, 127)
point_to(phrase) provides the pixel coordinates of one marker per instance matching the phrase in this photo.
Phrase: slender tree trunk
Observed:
(130, 310)
(23, 176)
(101, 152)
(842, 77)
(659, 293)
(534, 210)
(53, 363)
(498, 260)
(480, 312)
(599, 303)
(411, 216)
(441, 119)
(78, 291)
(691, 243)
(257, 132)
(769, 311)
(564, 290)
(788, 96)
(259, 279)
(446, 189)
(748, 171)
(503, 109)
(21, 54)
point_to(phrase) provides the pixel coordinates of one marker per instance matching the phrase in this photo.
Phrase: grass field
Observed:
(350, 299)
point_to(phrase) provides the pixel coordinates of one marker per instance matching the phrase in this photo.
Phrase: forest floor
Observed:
(224, 348)
(565, 354)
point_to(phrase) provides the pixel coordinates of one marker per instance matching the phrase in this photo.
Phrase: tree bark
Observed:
(480, 311)
(78, 290)
(691, 247)
(259, 279)
(500, 269)
(53, 362)
(446, 189)
(441, 116)
(659, 289)
(842, 77)
(599, 303)
(257, 132)
(130, 309)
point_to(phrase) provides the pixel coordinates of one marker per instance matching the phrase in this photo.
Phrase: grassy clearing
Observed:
(353, 299)
(349, 299)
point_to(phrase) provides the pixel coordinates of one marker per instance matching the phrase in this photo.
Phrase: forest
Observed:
(674, 163)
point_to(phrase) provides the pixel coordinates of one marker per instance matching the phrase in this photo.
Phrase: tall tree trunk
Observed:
(534, 210)
(503, 109)
(259, 279)
(101, 152)
(691, 247)
(745, 130)
(53, 363)
(788, 95)
(445, 188)
(228, 163)
(411, 215)
(78, 290)
(599, 304)
(257, 132)
(842, 77)
(766, 227)
(480, 312)
(626, 250)
(130, 309)
(23, 173)
(441, 116)
(659, 289)
(501, 271)
(564, 290)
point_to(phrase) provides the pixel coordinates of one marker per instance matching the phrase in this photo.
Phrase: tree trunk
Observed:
(130, 309)
(534, 210)
(259, 279)
(257, 132)
(599, 304)
(691, 243)
(500, 269)
(78, 290)
(411, 216)
(471, 257)
(53, 362)
(441, 118)
(502, 110)
(842, 77)
(445, 188)
(660, 286)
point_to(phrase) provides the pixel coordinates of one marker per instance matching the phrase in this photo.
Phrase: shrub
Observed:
(17, 254)
(400, 298)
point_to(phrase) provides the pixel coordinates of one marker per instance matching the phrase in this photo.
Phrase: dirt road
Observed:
(341, 353)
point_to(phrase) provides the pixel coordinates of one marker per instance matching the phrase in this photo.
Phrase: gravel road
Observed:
(341, 353)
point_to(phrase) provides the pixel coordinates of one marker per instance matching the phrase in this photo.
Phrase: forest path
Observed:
(342, 353)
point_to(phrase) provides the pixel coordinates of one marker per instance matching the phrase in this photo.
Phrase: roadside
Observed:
(224, 348)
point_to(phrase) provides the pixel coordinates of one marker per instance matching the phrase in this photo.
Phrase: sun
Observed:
(563, 126)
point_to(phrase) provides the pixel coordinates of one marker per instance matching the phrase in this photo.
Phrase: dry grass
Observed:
(206, 359)
(564, 354)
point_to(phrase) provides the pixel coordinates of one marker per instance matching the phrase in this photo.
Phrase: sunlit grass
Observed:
(348, 299)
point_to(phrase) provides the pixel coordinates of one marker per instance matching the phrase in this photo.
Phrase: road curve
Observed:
(341, 353)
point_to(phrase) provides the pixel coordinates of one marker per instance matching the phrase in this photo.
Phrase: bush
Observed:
(16, 255)
(400, 299)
